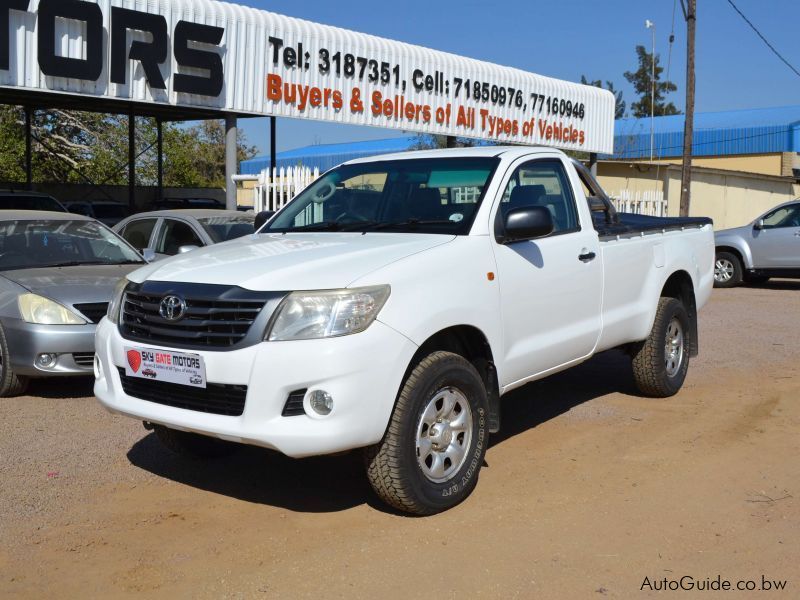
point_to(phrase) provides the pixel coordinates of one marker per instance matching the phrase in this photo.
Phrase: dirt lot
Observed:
(588, 490)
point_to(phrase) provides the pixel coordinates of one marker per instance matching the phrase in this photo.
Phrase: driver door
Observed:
(777, 244)
(551, 288)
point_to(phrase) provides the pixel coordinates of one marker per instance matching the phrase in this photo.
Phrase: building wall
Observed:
(730, 198)
(778, 164)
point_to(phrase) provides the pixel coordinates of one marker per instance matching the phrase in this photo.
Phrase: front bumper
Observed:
(68, 342)
(362, 373)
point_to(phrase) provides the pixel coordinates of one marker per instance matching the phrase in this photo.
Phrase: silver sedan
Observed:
(164, 233)
(58, 272)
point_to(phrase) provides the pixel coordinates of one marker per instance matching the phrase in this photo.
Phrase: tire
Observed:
(433, 448)
(727, 270)
(660, 373)
(193, 445)
(10, 383)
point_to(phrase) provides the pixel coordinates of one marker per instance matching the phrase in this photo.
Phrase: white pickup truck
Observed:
(392, 303)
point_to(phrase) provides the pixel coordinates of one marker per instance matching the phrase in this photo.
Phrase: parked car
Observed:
(11, 200)
(57, 274)
(767, 247)
(391, 304)
(187, 203)
(108, 213)
(165, 233)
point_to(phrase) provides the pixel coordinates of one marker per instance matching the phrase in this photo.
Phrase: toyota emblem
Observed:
(172, 308)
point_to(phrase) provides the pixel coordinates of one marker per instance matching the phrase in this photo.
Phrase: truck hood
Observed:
(296, 261)
(71, 285)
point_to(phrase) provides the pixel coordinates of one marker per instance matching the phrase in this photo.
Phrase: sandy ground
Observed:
(588, 490)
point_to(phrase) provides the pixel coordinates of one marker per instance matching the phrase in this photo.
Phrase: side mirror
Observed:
(149, 254)
(185, 249)
(526, 223)
(263, 217)
(759, 224)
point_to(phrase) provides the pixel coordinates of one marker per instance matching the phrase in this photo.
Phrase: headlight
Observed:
(314, 315)
(115, 305)
(43, 311)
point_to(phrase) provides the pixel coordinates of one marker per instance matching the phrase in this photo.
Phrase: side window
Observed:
(138, 233)
(786, 216)
(175, 234)
(543, 183)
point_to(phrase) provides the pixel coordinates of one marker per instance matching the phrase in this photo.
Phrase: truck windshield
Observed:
(57, 243)
(439, 195)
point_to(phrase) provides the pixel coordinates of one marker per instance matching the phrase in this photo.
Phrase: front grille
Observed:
(216, 398)
(294, 404)
(216, 317)
(83, 359)
(94, 311)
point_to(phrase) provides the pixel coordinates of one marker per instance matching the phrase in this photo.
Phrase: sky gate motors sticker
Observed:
(169, 367)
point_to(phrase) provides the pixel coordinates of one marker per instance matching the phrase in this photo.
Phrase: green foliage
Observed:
(619, 107)
(84, 147)
(642, 80)
(425, 141)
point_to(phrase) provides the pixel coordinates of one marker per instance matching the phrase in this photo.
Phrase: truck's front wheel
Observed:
(660, 363)
(433, 449)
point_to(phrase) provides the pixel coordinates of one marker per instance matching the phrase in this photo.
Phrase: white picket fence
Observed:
(650, 202)
(273, 191)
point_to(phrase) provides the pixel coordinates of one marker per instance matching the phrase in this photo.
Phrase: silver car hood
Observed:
(72, 285)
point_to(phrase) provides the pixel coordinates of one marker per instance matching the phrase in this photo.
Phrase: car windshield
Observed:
(222, 229)
(23, 202)
(411, 196)
(52, 243)
(110, 211)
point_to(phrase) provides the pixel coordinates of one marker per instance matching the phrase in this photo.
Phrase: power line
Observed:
(770, 46)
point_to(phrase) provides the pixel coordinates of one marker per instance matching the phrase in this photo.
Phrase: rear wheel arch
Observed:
(680, 286)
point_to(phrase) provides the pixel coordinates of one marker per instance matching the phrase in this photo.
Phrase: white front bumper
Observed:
(362, 373)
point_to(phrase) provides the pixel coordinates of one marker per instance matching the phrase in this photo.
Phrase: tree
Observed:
(619, 106)
(86, 147)
(642, 80)
(428, 141)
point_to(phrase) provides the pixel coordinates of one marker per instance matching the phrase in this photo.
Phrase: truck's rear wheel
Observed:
(11, 384)
(193, 445)
(433, 449)
(727, 270)
(660, 363)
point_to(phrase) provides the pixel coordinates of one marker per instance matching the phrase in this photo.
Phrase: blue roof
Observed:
(327, 156)
(753, 131)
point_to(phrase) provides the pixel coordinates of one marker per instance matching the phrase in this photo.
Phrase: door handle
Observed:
(587, 257)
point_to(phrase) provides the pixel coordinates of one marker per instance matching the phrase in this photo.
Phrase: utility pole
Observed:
(690, 15)
(650, 25)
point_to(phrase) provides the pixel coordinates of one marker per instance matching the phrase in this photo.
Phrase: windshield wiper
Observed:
(85, 263)
(322, 226)
(409, 223)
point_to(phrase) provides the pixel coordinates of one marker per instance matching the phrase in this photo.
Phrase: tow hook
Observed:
(148, 425)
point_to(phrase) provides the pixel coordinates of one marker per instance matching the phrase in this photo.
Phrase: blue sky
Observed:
(566, 39)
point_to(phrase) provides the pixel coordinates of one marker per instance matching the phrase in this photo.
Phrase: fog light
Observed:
(321, 402)
(46, 361)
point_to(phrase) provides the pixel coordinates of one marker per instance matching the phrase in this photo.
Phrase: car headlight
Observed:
(115, 306)
(314, 315)
(43, 311)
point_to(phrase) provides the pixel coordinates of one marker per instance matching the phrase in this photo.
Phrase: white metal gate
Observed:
(649, 202)
(275, 191)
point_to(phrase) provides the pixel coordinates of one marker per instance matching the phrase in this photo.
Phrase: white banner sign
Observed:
(219, 56)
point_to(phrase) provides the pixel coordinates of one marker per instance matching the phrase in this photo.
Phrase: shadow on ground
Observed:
(778, 284)
(335, 483)
(62, 388)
